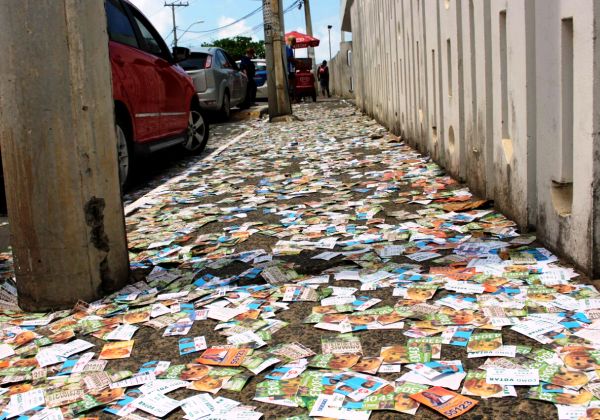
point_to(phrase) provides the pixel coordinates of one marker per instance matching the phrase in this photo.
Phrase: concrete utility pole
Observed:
(58, 145)
(309, 31)
(277, 83)
(173, 6)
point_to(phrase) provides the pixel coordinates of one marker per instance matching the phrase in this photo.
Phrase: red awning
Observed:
(303, 40)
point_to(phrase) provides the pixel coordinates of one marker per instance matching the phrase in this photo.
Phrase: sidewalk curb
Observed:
(132, 207)
(247, 114)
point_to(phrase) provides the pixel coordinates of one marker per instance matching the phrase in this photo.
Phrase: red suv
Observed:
(156, 105)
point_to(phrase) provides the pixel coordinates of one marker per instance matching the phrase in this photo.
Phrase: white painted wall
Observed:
(340, 72)
(511, 87)
(571, 232)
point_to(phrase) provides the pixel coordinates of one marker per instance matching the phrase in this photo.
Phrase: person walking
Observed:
(291, 64)
(249, 69)
(323, 76)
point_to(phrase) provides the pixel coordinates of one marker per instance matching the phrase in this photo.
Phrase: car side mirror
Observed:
(181, 54)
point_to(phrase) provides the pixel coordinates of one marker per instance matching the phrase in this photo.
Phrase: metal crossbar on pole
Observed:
(173, 6)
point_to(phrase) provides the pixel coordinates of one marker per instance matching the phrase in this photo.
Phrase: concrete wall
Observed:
(340, 80)
(505, 94)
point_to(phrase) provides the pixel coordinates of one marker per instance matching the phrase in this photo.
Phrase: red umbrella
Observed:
(303, 40)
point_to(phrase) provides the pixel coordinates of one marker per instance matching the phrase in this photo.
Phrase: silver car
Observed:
(219, 82)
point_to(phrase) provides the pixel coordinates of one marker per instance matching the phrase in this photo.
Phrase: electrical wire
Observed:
(255, 11)
(250, 31)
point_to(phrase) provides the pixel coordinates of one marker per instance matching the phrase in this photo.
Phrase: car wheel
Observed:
(226, 107)
(197, 133)
(124, 155)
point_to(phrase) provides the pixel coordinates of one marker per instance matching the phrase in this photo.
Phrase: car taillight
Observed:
(208, 62)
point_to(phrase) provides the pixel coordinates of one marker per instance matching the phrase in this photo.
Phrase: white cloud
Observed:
(233, 30)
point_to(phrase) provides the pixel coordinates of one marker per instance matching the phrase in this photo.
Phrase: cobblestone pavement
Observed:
(332, 270)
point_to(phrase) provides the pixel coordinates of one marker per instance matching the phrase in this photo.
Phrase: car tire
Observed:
(226, 107)
(197, 132)
(125, 153)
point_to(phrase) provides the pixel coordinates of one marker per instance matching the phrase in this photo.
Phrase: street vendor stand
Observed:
(304, 80)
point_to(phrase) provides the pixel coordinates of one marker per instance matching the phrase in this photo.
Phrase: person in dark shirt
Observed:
(323, 76)
(249, 69)
(291, 64)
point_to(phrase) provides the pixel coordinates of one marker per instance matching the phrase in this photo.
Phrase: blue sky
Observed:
(217, 13)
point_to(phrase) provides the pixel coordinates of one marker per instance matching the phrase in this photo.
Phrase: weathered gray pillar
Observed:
(58, 147)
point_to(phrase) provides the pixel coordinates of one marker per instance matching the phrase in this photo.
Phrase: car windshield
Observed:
(196, 61)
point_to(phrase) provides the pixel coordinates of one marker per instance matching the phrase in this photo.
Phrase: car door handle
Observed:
(118, 60)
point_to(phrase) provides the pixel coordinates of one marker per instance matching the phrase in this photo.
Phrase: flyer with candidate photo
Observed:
(117, 350)
(446, 402)
(223, 356)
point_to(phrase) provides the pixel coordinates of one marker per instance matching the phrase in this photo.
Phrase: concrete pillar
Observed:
(279, 100)
(59, 152)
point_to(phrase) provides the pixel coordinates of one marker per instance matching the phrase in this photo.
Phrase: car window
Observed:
(216, 57)
(119, 26)
(261, 67)
(195, 62)
(152, 45)
(230, 61)
(223, 60)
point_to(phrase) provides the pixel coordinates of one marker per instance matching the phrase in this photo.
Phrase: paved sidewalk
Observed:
(304, 230)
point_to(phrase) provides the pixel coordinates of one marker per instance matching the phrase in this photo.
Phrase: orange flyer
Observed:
(116, 350)
(219, 356)
(445, 402)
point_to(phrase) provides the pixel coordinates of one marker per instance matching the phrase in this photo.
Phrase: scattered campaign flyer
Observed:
(448, 403)
(188, 345)
(286, 372)
(291, 351)
(117, 350)
(343, 343)
(457, 336)
(501, 351)
(340, 361)
(331, 406)
(134, 381)
(390, 398)
(476, 384)
(559, 395)
(448, 380)
(259, 361)
(198, 406)
(504, 376)
(357, 386)
(223, 356)
(122, 333)
(156, 404)
(432, 370)
(21, 402)
(484, 342)
(178, 328)
(6, 351)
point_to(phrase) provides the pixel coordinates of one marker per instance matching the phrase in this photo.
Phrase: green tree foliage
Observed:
(237, 46)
